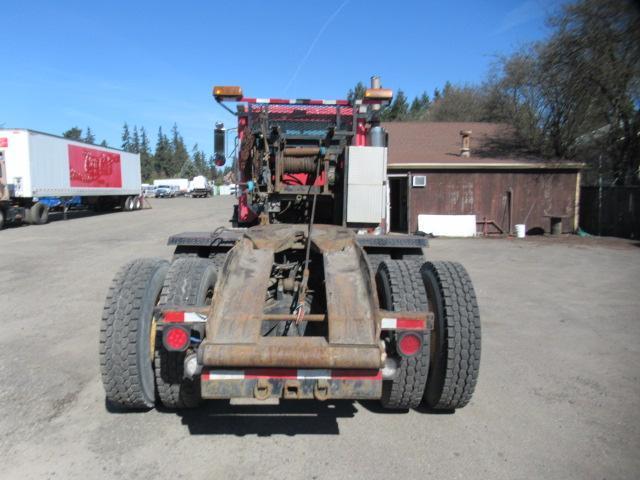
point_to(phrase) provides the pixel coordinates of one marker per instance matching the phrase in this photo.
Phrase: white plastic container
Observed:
(521, 230)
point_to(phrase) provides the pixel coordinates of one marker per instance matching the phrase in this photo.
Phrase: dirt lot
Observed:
(558, 394)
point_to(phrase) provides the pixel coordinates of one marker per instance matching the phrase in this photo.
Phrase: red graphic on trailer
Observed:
(4, 142)
(89, 167)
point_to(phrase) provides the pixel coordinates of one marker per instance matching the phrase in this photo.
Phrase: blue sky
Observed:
(150, 63)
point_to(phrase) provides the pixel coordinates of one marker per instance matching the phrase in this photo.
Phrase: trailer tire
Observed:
(189, 282)
(126, 357)
(455, 355)
(1, 218)
(38, 214)
(137, 203)
(128, 204)
(400, 289)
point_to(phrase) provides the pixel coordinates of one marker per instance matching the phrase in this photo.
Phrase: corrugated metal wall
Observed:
(484, 194)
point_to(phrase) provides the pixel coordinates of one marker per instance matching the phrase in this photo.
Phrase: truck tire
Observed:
(1, 218)
(400, 289)
(137, 203)
(375, 259)
(455, 353)
(126, 354)
(38, 214)
(189, 282)
(217, 258)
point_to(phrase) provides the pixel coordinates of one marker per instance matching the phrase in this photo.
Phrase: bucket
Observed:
(521, 230)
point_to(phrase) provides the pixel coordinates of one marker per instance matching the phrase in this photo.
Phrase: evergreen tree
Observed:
(420, 107)
(146, 164)
(179, 153)
(436, 94)
(104, 143)
(73, 133)
(135, 141)
(163, 156)
(200, 162)
(126, 138)
(188, 169)
(357, 93)
(398, 110)
(89, 137)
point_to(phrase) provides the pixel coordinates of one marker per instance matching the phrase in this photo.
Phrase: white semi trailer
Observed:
(36, 167)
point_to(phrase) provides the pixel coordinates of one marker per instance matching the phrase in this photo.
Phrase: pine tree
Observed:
(73, 133)
(414, 110)
(419, 107)
(163, 156)
(89, 137)
(104, 143)
(200, 162)
(398, 110)
(146, 164)
(135, 142)
(357, 93)
(188, 169)
(126, 138)
(179, 154)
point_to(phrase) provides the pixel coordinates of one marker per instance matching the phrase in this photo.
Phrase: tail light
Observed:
(409, 344)
(176, 338)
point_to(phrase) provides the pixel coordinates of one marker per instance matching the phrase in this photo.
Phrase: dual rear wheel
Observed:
(132, 203)
(136, 369)
(444, 372)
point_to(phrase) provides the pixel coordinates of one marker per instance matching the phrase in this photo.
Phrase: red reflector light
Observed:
(409, 344)
(176, 339)
(173, 317)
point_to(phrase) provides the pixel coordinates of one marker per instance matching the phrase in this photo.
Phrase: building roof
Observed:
(437, 145)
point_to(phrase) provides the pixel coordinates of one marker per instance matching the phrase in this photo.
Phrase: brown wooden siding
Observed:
(484, 194)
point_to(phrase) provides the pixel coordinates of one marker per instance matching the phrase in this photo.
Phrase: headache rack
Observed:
(301, 120)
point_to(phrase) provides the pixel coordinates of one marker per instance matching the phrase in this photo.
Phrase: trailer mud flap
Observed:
(292, 384)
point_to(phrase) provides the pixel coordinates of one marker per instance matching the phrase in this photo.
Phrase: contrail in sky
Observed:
(313, 44)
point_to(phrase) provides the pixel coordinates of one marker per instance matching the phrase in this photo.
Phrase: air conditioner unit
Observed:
(419, 181)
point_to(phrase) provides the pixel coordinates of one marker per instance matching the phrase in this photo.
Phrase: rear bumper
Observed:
(292, 384)
(291, 352)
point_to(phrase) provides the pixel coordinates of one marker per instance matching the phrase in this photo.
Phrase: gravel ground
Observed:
(558, 394)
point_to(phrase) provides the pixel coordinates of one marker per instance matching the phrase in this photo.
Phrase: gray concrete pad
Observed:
(558, 394)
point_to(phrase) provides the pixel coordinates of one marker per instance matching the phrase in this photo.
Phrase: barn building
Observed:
(448, 168)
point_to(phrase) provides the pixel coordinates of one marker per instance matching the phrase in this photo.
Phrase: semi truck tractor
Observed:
(313, 300)
(36, 168)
